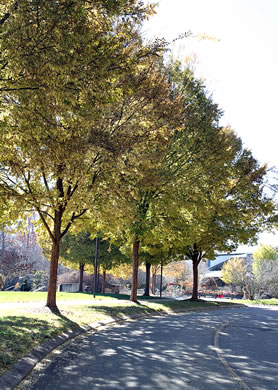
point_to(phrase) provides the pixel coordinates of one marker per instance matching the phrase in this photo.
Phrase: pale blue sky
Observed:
(240, 68)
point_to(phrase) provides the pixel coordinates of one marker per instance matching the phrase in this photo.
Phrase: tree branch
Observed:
(8, 14)
(73, 217)
(45, 223)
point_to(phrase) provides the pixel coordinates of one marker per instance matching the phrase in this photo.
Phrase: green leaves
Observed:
(81, 248)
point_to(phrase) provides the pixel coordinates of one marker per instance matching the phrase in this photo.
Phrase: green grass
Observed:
(24, 327)
(260, 301)
(29, 296)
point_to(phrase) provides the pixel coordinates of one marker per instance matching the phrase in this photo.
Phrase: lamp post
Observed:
(161, 280)
(95, 276)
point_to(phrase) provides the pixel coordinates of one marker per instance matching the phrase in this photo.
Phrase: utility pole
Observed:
(95, 276)
(161, 280)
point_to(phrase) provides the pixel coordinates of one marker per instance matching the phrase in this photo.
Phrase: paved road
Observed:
(174, 353)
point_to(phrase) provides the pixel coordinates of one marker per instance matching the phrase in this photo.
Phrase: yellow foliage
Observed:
(124, 271)
(234, 272)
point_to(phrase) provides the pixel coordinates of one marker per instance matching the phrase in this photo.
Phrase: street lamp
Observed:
(161, 280)
(95, 276)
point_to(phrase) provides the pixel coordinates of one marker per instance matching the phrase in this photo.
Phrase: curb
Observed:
(12, 378)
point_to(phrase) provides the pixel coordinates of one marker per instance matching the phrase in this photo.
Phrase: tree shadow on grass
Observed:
(127, 297)
(118, 312)
(20, 334)
(165, 307)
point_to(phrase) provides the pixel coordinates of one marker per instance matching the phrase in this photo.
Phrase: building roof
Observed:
(222, 258)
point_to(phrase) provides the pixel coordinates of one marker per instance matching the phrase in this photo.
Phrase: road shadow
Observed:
(250, 347)
(171, 352)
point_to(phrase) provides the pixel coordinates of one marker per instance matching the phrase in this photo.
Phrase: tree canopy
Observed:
(73, 85)
(95, 122)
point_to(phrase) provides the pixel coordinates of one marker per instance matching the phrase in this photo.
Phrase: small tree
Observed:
(265, 269)
(78, 252)
(262, 254)
(235, 272)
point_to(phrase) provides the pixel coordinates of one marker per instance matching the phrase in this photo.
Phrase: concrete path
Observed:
(222, 349)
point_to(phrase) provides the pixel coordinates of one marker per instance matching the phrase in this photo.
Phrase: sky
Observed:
(238, 63)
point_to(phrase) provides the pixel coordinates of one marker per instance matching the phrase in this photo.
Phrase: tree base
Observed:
(195, 300)
(54, 309)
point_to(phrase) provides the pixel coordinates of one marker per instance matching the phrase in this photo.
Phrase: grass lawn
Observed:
(260, 301)
(28, 296)
(24, 327)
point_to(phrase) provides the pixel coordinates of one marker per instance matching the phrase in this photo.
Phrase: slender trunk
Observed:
(52, 286)
(148, 276)
(81, 275)
(3, 242)
(195, 280)
(95, 268)
(161, 280)
(103, 282)
(98, 274)
(135, 258)
(153, 282)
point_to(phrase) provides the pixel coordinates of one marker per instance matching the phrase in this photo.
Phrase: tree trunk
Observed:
(195, 280)
(103, 282)
(153, 283)
(81, 275)
(52, 286)
(148, 275)
(135, 258)
(55, 252)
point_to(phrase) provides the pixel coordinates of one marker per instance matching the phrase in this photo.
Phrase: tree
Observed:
(218, 198)
(265, 269)
(78, 251)
(154, 257)
(263, 253)
(71, 73)
(233, 210)
(133, 193)
(234, 272)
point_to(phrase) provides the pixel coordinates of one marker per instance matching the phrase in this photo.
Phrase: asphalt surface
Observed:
(222, 349)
